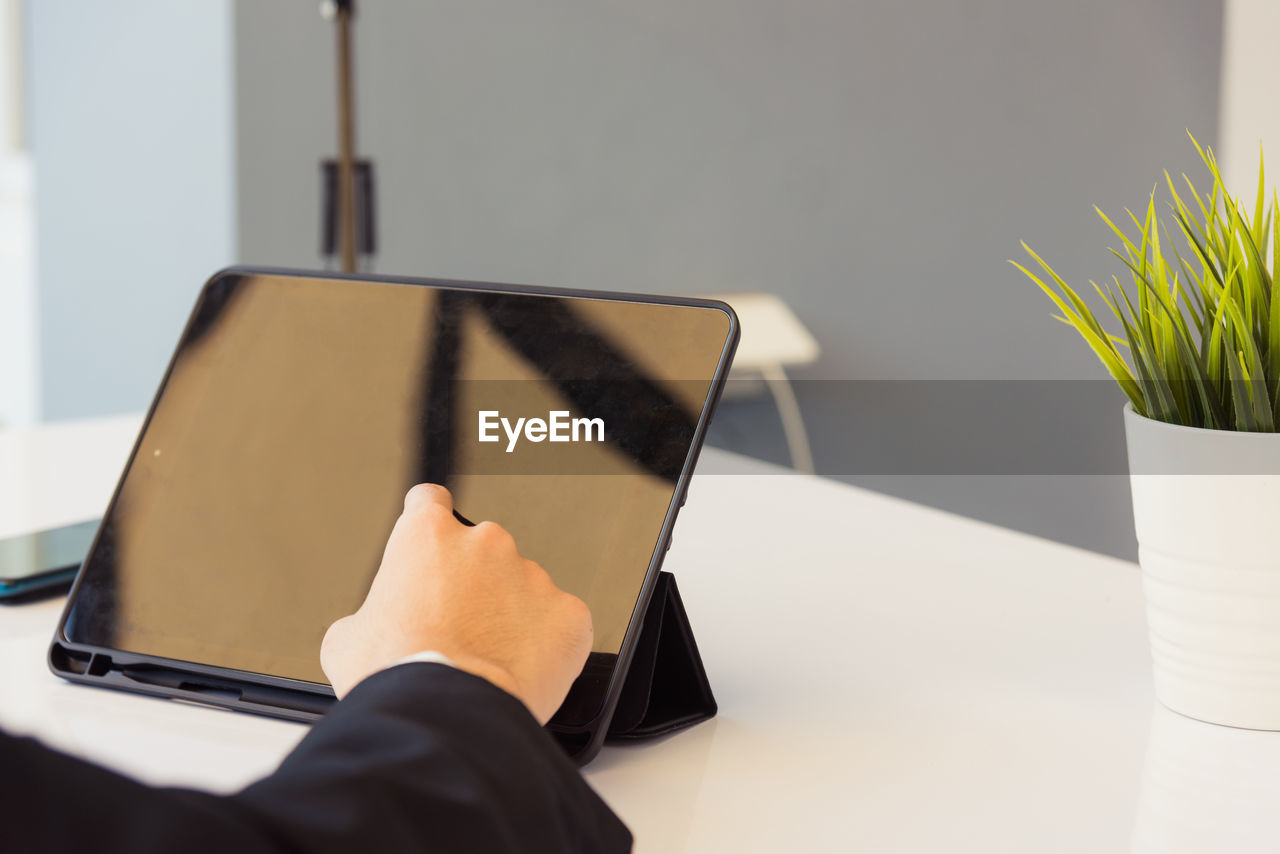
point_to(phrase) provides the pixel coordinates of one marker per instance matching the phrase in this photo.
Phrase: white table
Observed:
(890, 678)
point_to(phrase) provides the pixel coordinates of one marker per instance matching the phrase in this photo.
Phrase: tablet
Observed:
(299, 408)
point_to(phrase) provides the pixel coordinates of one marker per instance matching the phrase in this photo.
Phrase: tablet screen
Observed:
(298, 411)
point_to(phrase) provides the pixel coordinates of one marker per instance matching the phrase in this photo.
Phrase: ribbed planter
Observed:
(1206, 506)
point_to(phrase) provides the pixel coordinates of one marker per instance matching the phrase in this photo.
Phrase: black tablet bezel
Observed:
(297, 700)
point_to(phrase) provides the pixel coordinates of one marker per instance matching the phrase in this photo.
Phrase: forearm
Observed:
(53, 802)
(437, 758)
(417, 758)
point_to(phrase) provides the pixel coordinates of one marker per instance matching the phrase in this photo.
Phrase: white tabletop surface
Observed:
(890, 678)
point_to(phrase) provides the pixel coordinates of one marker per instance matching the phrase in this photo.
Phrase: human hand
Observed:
(465, 592)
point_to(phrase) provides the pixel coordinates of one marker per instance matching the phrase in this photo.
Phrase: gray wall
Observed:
(131, 132)
(875, 163)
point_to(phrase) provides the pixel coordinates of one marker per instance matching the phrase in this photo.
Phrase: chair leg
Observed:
(784, 398)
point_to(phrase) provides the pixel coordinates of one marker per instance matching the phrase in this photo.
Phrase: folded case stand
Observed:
(666, 687)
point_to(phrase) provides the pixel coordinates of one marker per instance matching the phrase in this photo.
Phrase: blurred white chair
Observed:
(773, 339)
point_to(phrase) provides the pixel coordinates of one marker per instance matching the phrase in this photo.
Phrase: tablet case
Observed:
(666, 687)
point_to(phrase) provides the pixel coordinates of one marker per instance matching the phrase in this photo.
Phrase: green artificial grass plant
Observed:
(1201, 346)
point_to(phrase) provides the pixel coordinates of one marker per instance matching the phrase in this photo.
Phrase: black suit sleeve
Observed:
(419, 758)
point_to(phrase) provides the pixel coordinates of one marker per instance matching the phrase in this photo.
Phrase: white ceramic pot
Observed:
(1206, 506)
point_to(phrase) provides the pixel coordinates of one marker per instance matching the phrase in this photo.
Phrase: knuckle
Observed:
(541, 581)
(425, 494)
(426, 516)
(577, 610)
(494, 535)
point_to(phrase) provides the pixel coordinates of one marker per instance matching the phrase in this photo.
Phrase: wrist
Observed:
(492, 673)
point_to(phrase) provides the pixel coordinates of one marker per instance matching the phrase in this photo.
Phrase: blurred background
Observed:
(870, 165)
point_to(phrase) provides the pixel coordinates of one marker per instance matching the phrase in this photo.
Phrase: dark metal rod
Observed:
(346, 143)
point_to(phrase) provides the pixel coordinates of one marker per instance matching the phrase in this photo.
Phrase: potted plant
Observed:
(1195, 346)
